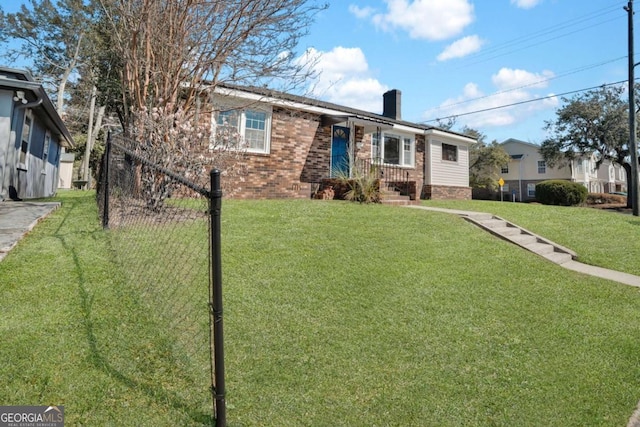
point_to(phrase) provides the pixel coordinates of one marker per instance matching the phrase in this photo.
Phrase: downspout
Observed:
(30, 104)
(351, 148)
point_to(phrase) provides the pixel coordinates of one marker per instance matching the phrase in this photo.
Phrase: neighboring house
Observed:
(527, 167)
(32, 136)
(293, 143)
(65, 174)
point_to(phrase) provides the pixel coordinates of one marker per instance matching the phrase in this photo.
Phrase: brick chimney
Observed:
(391, 104)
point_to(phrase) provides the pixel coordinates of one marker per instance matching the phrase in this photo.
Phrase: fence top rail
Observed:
(198, 189)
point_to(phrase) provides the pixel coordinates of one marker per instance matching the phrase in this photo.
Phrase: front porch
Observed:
(393, 182)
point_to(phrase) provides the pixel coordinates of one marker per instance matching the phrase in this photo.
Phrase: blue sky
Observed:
(454, 57)
(451, 57)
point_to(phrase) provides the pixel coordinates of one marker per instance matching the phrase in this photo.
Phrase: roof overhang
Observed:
(439, 133)
(45, 110)
(370, 124)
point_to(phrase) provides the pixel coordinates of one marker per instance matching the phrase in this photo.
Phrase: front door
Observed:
(340, 151)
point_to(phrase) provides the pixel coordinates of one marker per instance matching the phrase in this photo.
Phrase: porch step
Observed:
(390, 197)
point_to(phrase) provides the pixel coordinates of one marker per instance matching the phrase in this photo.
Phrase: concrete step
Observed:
(506, 230)
(523, 239)
(558, 257)
(480, 217)
(494, 223)
(540, 248)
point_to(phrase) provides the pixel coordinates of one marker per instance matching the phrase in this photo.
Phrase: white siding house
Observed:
(527, 167)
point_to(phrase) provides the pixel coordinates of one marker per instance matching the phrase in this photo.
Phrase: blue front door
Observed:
(340, 151)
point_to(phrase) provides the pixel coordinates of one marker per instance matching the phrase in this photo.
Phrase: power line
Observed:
(514, 43)
(484, 110)
(537, 82)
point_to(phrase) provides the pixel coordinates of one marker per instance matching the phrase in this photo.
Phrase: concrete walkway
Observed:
(18, 218)
(537, 244)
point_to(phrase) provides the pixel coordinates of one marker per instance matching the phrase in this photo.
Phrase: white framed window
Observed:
(449, 152)
(504, 169)
(45, 151)
(393, 149)
(623, 173)
(505, 188)
(25, 139)
(376, 149)
(248, 129)
(531, 190)
(542, 166)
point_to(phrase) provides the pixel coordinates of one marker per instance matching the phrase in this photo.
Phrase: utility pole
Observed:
(88, 147)
(632, 190)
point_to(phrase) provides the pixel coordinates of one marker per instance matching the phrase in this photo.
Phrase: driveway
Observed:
(18, 218)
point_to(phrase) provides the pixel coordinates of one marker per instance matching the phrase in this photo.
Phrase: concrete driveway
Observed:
(18, 218)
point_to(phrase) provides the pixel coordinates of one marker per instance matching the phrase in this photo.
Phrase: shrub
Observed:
(559, 192)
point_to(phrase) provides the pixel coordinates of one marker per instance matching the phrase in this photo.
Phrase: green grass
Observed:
(75, 333)
(604, 238)
(336, 314)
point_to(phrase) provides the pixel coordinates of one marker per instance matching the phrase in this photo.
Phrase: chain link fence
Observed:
(165, 235)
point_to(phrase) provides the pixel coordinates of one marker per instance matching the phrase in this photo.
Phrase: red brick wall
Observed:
(299, 156)
(439, 192)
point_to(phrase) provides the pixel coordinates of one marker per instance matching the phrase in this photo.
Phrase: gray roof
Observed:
(348, 111)
(13, 79)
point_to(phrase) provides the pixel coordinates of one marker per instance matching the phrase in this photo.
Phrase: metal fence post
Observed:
(215, 301)
(105, 184)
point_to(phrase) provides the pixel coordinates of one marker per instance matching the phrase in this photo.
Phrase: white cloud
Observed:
(461, 48)
(344, 78)
(508, 78)
(526, 4)
(512, 87)
(426, 19)
(361, 12)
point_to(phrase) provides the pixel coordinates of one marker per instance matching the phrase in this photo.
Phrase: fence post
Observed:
(215, 300)
(105, 184)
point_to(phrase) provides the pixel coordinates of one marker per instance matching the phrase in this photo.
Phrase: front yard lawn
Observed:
(336, 314)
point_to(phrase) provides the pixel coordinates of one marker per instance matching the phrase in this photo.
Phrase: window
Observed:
(505, 188)
(393, 149)
(45, 151)
(542, 166)
(449, 152)
(255, 127)
(622, 174)
(248, 129)
(25, 139)
(504, 169)
(376, 150)
(531, 190)
(579, 168)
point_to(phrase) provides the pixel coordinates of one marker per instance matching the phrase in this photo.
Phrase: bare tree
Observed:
(54, 37)
(170, 49)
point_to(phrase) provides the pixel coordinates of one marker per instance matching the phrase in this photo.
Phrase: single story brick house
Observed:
(293, 143)
(32, 136)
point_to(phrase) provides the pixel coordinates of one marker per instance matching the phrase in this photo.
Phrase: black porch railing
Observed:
(394, 177)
